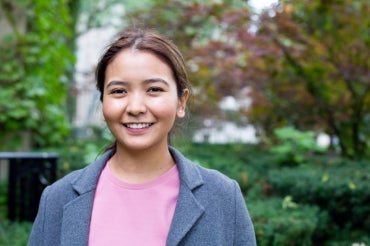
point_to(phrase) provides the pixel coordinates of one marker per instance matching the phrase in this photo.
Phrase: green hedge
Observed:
(14, 233)
(278, 224)
(230, 159)
(341, 190)
(337, 187)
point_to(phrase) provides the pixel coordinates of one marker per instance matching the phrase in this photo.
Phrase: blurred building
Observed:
(90, 46)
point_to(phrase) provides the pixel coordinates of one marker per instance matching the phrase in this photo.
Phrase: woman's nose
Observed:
(136, 104)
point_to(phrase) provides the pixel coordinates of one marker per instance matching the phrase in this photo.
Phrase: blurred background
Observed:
(281, 101)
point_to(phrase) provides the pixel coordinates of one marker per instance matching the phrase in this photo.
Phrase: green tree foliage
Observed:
(35, 57)
(305, 63)
(318, 67)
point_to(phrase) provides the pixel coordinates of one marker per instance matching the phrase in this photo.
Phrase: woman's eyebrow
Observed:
(116, 82)
(147, 81)
(156, 80)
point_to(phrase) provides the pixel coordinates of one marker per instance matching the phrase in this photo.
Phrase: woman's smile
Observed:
(138, 128)
(138, 125)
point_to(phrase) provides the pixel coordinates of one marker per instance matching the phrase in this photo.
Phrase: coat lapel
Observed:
(76, 220)
(188, 209)
(77, 213)
(187, 213)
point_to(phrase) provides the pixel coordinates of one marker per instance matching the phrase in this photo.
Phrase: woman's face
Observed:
(140, 101)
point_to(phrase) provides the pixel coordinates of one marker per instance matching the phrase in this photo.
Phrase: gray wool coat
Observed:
(210, 209)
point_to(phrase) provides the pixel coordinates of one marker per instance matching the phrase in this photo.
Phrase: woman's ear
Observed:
(182, 104)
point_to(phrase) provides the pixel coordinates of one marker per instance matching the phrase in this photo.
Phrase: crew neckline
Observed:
(107, 171)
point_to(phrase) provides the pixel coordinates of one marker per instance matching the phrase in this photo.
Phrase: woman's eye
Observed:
(118, 91)
(155, 89)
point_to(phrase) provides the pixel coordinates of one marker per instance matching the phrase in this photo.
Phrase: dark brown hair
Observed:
(150, 41)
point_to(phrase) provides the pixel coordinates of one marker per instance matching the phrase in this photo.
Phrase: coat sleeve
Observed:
(37, 234)
(244, 231)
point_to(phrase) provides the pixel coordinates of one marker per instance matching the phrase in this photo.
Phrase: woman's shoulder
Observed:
(67, 179)
(62, 189)
(216, 179)
(196, 173)
(84, 177)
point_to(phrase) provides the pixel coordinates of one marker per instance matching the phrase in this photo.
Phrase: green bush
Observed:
(11, 233)
(293, 146)
(341, 190)
(230, 159)
(281, 222)
(14, 233)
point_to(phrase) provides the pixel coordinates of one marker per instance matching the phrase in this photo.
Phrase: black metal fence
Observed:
(28, 175)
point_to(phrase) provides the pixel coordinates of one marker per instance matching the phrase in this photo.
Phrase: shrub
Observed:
(278, 223)
(230, 159)
(14, 233)
(294, 145)
(343, 191)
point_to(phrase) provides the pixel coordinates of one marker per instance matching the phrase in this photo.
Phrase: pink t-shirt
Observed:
(133, 214)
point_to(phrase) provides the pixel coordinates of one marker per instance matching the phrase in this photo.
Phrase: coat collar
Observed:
(89, 176)
(188, 208)
(77, 213)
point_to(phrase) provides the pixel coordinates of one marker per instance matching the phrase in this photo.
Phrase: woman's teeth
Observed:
(138, 125)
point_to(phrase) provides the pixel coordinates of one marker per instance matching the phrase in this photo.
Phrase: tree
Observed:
(304, 63)
(35, 57)
(318, 69)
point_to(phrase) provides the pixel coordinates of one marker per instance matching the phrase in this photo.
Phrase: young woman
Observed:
(142, 191)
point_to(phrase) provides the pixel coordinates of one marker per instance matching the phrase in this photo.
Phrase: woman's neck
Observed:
(140, 166)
